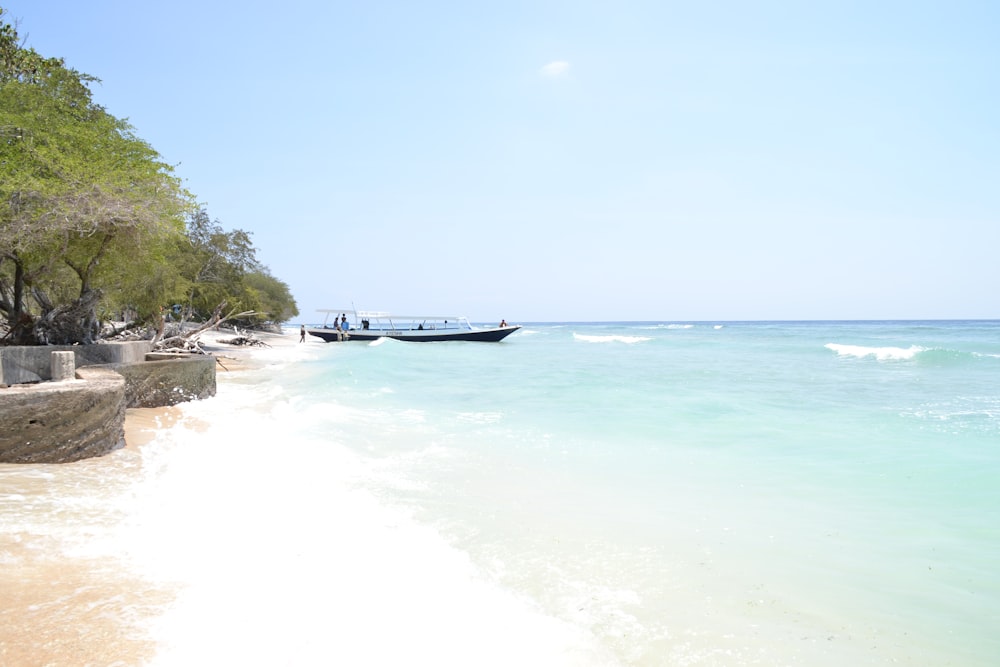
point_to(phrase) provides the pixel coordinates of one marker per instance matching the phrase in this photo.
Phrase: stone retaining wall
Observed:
(57, 422)
(68, 420)
(34, 363)
(154, 384)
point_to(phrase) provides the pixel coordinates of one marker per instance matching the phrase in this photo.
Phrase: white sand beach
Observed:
(63, 601)
(404, 503)
(142, 424)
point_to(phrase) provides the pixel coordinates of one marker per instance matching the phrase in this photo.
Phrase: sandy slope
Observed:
(141, 424)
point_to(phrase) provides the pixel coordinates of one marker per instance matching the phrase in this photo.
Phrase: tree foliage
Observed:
(79, 194)
(92, 220)
(221, 265)
(269, 296)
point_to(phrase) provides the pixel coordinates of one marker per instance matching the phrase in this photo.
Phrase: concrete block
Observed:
(63, 366)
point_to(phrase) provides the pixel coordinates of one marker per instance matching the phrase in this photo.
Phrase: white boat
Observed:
(354, 325)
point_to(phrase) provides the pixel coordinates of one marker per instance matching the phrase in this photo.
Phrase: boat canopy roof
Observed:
(382, 315)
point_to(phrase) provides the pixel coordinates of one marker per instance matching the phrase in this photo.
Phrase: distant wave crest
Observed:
(611, 339)
(923, 355)
(668, 326)
(880, 353)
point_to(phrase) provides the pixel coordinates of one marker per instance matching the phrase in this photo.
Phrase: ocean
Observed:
(630, 493)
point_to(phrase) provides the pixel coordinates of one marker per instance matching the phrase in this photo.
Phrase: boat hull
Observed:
(494, 335)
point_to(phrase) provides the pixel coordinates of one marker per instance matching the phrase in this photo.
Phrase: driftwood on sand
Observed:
(186, 342)
(245, 338)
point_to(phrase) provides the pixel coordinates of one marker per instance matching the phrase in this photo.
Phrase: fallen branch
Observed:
(244, 339)
(188, 340)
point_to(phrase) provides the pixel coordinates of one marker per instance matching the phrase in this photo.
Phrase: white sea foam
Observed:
(480, 417)
(668, 326)
(880, 353)
(310, 515)
(305, 563)
(610, 339)
(414, 416)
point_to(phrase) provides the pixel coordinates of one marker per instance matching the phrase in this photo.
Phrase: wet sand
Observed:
(77, 612)
(141, 424)
(80, 609)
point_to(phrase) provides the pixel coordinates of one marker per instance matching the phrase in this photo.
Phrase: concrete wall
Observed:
(34, 363)
(58, 422)
(154, 384)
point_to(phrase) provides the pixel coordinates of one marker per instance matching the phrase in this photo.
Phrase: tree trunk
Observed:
(22, 324)
(71, 323)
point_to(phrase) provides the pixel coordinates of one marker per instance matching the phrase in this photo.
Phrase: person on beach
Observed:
(302, 333)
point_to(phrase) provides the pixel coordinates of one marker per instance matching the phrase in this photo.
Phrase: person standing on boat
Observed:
(343, 322)
(302, 333)
(503, 323)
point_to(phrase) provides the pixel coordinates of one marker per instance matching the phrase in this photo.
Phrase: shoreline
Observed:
(142, 424)
(70, 596)
(334, 487)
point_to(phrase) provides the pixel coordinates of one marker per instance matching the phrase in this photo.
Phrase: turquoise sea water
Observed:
(790, 492)
(774, 493)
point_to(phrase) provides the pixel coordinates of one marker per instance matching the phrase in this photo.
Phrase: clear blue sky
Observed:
(576, 160)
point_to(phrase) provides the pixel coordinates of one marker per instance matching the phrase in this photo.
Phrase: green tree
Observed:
(270, 297)
(214, 263)
(93, 221)
(82, 198)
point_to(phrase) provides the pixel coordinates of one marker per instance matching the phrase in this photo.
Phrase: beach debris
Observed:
(186, 341)
(245, 338)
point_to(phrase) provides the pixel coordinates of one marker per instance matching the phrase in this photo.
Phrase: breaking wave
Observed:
(611, 338)
(668, 326)
(880, 353)
(925, 355)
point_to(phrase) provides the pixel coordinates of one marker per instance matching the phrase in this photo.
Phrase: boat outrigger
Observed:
(371, 325)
